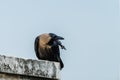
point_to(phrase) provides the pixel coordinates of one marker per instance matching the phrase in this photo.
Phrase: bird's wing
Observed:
(36, 47)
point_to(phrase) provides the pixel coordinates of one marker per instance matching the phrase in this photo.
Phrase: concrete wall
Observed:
(12, 68)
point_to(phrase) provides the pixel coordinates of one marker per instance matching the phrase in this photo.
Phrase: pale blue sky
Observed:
(91, 30)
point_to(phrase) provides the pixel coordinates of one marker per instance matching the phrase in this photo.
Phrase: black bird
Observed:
(47, 47)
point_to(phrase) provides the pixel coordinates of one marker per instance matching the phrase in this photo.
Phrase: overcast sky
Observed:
(91, 29)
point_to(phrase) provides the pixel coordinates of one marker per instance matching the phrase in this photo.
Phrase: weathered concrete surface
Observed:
(27, 69)
(4, 76)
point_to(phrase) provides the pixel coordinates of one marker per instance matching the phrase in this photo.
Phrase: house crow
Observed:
(47, 47)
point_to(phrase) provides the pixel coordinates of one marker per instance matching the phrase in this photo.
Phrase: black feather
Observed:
(36, 47)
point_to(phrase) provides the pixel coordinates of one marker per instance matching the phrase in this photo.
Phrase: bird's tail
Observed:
(61, 63)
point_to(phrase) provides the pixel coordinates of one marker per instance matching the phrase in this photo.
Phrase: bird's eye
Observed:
(55, 37)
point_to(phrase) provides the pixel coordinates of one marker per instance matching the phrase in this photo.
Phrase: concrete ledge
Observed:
(27, 68)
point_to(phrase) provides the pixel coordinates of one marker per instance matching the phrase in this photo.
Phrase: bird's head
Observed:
(55, 39)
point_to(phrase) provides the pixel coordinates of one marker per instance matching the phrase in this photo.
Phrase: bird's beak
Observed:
(59, 38)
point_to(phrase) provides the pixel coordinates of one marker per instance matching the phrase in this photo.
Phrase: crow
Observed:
(47, 47)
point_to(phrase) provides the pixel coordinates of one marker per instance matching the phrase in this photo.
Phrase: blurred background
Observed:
(91, 29)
